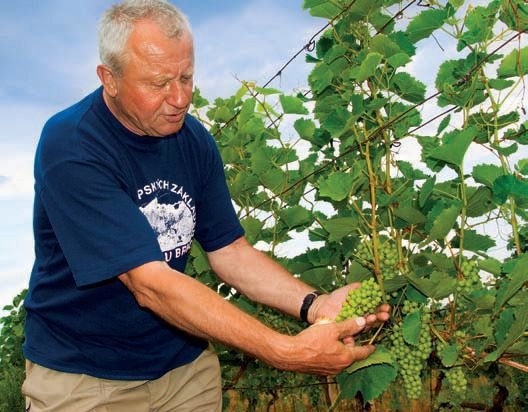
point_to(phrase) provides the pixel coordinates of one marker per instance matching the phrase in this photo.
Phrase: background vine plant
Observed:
(324, 164)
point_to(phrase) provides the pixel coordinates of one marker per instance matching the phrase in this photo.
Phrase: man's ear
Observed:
(108, 79)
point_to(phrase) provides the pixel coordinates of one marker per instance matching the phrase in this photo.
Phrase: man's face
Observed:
(154, 90)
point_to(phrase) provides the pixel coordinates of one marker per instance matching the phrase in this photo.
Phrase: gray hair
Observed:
(118, 21)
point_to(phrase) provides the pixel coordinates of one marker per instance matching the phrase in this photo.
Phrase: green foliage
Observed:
(340, 181)
(12, 363)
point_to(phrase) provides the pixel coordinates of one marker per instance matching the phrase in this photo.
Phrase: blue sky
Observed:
(48, 51)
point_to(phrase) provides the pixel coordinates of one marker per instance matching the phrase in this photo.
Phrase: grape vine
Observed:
(329, 164)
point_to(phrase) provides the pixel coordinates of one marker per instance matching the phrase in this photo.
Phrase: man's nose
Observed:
(179, 95)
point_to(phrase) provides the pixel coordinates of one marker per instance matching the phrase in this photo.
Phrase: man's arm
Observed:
(259, 277)
(263, 280)
(191, 306)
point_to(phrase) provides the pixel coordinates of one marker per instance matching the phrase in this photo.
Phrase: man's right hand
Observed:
(320, 349)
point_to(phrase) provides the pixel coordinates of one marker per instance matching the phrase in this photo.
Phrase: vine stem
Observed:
(372, 184)
(513, 364)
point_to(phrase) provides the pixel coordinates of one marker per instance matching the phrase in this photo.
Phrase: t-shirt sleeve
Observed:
(217, 224)
(101, 231)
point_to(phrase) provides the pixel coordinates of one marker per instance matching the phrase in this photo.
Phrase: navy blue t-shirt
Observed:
(107, 201)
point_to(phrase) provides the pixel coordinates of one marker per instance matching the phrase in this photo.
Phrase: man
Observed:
(124, 180)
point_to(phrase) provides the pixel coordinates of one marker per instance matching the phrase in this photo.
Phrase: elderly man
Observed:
(125, 180)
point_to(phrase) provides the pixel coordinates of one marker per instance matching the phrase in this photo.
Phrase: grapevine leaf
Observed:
(336, 121)
(519, 276)
(490, 265)
(337, 186)
(305, 128)
(335, 58)
(456, 3)
(479, 24)
(443, 222)
(198, 100)
(425, 23)
(339, 227)
(267, 91)
(410, 215)
(486, 174)
(455, 146)
(398, 60)
(522, 166)
(474, 241)
(368, 67)
(385, 46)
(292, 105)
(247, 111)
(381, 355)
(438, 286)
(371, 382)
(517, 329)
(483, 325)
(514, 14)
(514, 64)
(320, 77)
(449, 355)
(362, 8)
(321, 8)
(320, 278)
(443, 124)
(252, 227)
(407, 87)
(503, 325)
(409, 171)
(427, 189)
(265, 157)
(246, 305)
(393, 284)
(200, 262)
(411, 327)
(510, 185)
(506, 150)
(500, 84)
(404, 43)
(480, 202)
(295, 216)
(358, 273)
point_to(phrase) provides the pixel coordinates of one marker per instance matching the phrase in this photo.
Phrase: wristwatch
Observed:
(307, 303)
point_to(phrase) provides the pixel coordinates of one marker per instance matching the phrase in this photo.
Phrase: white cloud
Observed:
(251, 48)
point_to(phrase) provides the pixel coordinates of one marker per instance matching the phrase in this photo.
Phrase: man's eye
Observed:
(160, 85)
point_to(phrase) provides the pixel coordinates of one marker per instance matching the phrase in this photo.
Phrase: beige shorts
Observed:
(193, 387)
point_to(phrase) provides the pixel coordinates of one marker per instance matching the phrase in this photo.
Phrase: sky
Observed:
(48, 55)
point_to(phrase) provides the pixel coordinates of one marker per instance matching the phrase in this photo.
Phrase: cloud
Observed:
(252, 48)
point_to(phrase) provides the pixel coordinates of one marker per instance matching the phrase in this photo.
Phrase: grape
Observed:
(361, 301)
(471, 278)
(412, 358)
(388, 257)
(456, 380)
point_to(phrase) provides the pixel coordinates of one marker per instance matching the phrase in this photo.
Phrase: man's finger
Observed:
(361, 352)
(351, 327)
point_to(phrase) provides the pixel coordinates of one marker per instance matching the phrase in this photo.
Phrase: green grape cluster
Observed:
(409, 306)
(456, 380)
(388, 256)
(411, 358)
(361, 301)
(471, 277)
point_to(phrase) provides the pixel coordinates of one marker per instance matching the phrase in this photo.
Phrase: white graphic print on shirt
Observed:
(171, 214)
